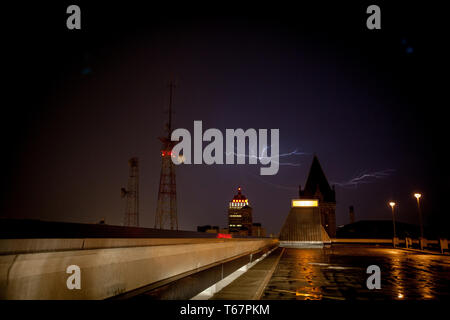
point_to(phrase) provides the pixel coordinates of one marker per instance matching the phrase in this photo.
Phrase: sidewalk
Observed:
(250, 286)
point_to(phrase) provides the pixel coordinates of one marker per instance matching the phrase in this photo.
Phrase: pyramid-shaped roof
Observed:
(317, 182)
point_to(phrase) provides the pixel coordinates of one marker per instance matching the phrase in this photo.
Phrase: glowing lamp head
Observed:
(392, 204)
(304, 203)
(417, 195)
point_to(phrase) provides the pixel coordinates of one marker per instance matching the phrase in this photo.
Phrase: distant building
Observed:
(379, 229)
(240, 220)
(208, 228)
(351, 214)
(257, 230)
(317, 187)
(302, 227)
(224, 230)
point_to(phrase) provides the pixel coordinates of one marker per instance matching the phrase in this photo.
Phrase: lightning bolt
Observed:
(365, 178)
(264, 156)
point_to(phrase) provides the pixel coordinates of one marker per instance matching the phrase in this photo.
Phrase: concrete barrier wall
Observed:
(387, 241)
(368, 241)
(14, 246)
(108, 271)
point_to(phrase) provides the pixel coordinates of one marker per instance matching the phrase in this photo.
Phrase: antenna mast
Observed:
(166, 210)
(132, 195)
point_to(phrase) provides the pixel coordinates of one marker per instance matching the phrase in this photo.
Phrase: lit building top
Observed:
(305, 203)
(239, 200)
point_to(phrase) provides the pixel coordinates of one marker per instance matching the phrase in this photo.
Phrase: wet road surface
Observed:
(339, 273)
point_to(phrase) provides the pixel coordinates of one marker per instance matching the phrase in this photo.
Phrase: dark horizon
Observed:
(84, 102)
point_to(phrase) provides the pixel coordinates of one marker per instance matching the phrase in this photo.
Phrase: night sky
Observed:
(79, 104)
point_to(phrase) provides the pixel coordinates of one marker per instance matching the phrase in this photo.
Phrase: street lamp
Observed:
(392, 204)
(418, 196)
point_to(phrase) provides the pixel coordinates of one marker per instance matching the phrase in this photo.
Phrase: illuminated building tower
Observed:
(240, 215)
(317, 187)
(166, 210)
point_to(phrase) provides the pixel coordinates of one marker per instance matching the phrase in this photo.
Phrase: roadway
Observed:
(339, 273)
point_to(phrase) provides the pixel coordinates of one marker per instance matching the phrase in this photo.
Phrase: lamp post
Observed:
(392, 204)
(418, 196)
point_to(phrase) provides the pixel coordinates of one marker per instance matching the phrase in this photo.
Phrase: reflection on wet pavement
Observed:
(339, 273)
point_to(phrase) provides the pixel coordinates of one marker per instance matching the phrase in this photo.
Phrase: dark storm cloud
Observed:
(347, 95)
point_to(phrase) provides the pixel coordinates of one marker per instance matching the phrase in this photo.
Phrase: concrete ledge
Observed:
(107, 272)
(426, 251)
(17, 246)
(302, 244)
(368, 241)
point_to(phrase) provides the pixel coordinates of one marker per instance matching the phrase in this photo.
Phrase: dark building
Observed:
(378, 229)
(208, 228)
(317, 187)
(240, 218)
(258, 230)
(351, 214)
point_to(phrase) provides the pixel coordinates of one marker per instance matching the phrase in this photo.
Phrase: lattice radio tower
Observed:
(131, 194)
(166, 210)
